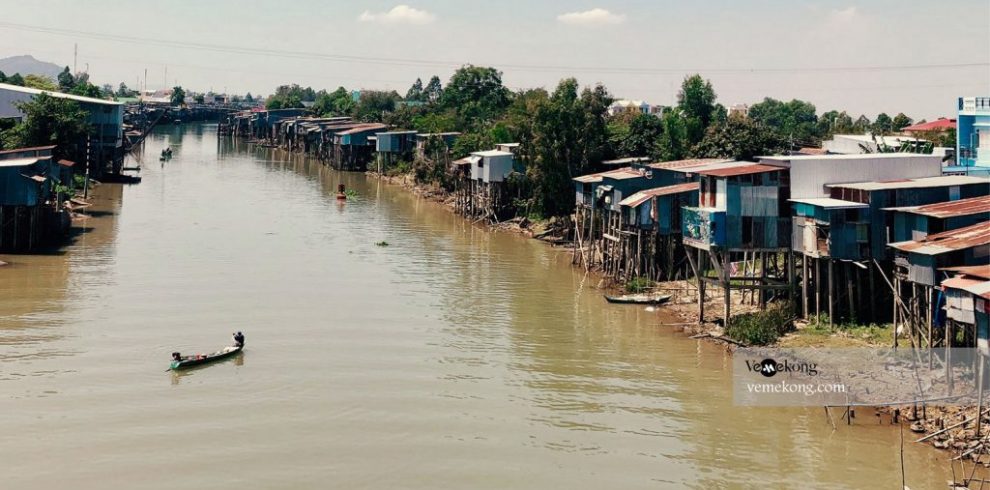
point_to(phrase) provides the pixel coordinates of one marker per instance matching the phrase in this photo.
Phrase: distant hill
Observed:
(26, 65)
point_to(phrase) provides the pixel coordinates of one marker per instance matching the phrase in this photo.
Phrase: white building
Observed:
(809, 174)
(625, 105)
(491, 165)
(853, 144)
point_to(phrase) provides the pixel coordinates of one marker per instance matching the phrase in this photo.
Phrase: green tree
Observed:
(673, 143)
(861, 125)
(50, 121)
(66, 81)
(883, 124)
(16, 79)
(199, 98)
(642, 137)
(569, 136)
(477, 94)
(901, 121)
(415, 93)
(696, 100)
(739, 138)
(795, 120)
(249, 98)
(374, 104)
(178, 96)
(433, 91)
(40, 82)
(86, 89)
(3, 77)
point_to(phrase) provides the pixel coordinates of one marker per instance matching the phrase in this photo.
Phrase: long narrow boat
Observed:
(199, 360)
(638, 299)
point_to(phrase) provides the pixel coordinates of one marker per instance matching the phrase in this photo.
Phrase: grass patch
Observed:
(761, 327)
(818, 333)
(638, 285)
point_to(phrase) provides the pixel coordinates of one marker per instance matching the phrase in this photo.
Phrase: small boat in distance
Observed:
(638, 299)
(182, 362)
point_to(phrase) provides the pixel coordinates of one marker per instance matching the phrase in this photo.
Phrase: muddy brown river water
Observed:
(452, 358)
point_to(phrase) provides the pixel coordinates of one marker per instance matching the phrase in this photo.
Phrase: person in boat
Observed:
(176, 357)
(239, 339)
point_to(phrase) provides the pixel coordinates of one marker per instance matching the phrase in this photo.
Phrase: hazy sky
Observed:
(640, 49)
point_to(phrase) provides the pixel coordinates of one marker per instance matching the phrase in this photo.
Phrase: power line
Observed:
(448, 63)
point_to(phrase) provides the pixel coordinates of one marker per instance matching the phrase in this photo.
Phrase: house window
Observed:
(862, 233)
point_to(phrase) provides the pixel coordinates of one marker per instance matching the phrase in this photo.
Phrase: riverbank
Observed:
(961, 441)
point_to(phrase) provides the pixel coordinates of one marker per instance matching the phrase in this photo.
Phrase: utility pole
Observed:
(165, 78)
(75, 57)
(145, 79)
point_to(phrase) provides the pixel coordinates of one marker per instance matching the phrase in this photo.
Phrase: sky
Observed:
(866, 57)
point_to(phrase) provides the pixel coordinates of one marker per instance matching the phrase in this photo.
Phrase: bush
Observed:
(638, 285)
(761, 327)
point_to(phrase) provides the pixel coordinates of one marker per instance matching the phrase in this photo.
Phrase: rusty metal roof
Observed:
(363, 127)
(643, 196)
(756, 168)
(942, 181)
(948, 241)
(694, 162)
(978, 287)
(961, 207)
(66, 163)
(982, 271)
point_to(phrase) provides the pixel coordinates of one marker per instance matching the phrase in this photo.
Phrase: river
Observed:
(454, 357)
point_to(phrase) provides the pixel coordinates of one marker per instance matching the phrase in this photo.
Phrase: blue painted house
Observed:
(904, 192)
(973, 133)
(919, 261)
(741, 206)
(830, 228)
(917, 222)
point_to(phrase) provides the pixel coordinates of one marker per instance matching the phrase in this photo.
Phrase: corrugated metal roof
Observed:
(623, 161)
(829, 203)
(617, 174)
(960, 282)
(693, 162)
(58, 95)
(941, 181)
(643, 196)
(363, 127)
(492, 153)
(940, 124)
(753, 168)
(961, 207)
(33, 148)
(948, 241)
(19, 162)
(971, 270)
(978, 287)
(587, 179)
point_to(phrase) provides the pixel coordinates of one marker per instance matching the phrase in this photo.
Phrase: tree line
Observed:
(568, 131)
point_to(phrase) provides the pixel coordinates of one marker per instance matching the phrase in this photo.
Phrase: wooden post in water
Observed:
(831, 293)
(728, 289)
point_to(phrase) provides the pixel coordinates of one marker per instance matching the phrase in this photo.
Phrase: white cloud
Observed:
(400, 14)
(595, 16)
(846, 14)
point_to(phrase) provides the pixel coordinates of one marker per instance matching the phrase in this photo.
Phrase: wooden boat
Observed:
(199, 360)
(638, 299)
